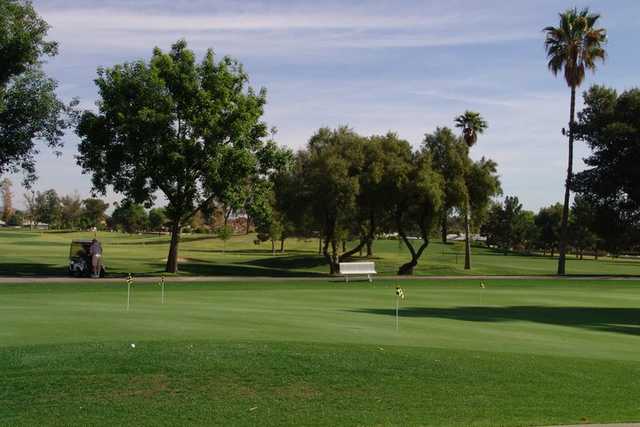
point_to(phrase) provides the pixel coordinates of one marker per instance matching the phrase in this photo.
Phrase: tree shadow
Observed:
(609, 319)
(213, 269)
(287, 262)
(257, 251)
(30, 269)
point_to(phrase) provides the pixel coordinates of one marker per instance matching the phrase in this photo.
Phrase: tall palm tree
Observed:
(472, 124)
(573, 47)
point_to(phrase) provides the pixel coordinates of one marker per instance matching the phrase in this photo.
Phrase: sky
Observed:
(376, 66)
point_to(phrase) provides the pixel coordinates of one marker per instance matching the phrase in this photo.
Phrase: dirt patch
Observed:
(297, 390)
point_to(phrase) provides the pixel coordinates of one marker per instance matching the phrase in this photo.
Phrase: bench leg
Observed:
(369, 276)
(346, 278)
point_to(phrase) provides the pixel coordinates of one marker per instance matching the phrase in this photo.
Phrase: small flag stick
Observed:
(129, 283)
(162, 287)
(397, 307)
(399, 295)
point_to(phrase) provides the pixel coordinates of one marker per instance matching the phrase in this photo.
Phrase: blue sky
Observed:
(405, 66)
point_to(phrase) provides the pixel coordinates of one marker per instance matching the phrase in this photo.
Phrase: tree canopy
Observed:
(29, 108)
(610, 125)
(189, 130)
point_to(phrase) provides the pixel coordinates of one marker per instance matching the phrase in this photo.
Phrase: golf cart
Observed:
(80, 260)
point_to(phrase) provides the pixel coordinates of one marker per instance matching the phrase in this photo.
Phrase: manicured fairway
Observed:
(321, 353)
(25, 253)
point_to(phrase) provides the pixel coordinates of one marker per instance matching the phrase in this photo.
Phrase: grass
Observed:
(25, 253)
(321, 353)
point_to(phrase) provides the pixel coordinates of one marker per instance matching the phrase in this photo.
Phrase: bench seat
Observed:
(357, 269)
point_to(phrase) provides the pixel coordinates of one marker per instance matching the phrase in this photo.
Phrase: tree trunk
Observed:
(344, 246)
(407, 268)
(319, 245)
(273, 247)
(248, 225)
(331, 257)
(567, 190)
(444, 226)
(348, 254)
(172, 259)
(282, 245)
(369, 248)
(467, 237)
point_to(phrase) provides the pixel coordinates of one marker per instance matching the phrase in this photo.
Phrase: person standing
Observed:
(95, 251)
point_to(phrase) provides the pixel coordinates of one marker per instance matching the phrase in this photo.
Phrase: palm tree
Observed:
(472, 124)
(573, 47)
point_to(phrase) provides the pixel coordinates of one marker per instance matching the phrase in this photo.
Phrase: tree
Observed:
(48, 208)
(71, 210)
(31, 213)
(94, 212)
(7, 199)
(610, 185)
(581, 223)
(22, 39)
(482, 184)
(472, 124)
(573, 47)
(129, 217)
(376, 180)
(417, 203)
(29, 107)
(450, 160)
(548, 220)
(327, 178)
(157, 219)
(17, 219)
(171, 125)
(508, 225)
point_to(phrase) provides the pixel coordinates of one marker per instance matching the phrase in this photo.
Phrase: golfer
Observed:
(96, 258)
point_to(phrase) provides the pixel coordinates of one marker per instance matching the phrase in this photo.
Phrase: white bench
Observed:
(357, 269)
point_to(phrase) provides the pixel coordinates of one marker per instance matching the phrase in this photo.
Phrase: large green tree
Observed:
(328, 179)
(450, 159)
(94, 212)
(29, 108)
(129, 217)
(573, 47)
(610, 184)
(508, 226)
(548, 221)
(189, 130)
(472, 124)
(48, 208)
(71, 210)
(417, 202)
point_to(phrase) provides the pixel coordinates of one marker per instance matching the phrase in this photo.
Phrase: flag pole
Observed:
(397, 306)
(129, 282)
(162, 286)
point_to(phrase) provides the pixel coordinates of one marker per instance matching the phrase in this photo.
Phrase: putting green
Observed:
(515, 353)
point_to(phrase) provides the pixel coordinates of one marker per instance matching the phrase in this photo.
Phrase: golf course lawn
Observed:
(320, 353)
(29, 253)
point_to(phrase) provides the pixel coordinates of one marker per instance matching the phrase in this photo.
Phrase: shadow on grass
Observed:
(212, 269)
(29, 269)
(265, 252)
(615, 319)
(287, 262)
